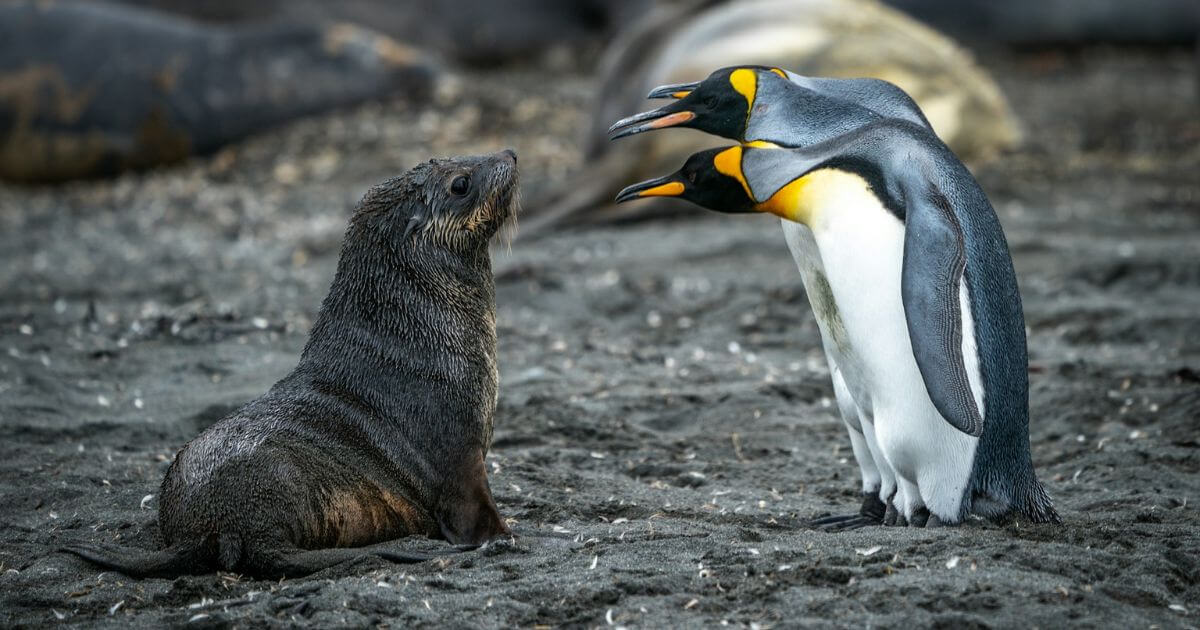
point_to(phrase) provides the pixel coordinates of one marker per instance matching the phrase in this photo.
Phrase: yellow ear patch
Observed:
(669, 189)
(745, 83)
(729, 162)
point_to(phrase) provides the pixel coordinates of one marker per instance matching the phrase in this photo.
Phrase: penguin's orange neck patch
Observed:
(792, 202)
(803, 199)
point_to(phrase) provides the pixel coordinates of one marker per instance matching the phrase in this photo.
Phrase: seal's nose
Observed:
(512, 155)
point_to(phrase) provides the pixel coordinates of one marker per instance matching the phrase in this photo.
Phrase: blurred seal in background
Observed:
(1058, 22)
(834, 38)
(472, 32)
(91, 89)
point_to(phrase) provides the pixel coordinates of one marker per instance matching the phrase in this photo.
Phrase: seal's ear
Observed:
(413, 223)
(467, 515)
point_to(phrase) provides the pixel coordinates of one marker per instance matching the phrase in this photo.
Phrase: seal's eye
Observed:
(710, 101)
(460, 185)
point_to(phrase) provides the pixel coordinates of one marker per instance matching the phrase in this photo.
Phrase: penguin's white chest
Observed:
(835, 340)
(860, 245)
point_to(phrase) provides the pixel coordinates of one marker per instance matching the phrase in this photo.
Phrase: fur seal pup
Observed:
(381, 430)
(829, 38)
(91, 89)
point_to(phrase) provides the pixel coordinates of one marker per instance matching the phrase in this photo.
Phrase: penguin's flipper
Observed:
(935, 258)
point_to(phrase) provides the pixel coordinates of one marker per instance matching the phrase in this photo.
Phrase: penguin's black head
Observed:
(719, 105)
(711, 179)
(456, 202)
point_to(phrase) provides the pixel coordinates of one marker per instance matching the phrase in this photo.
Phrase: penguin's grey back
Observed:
(1003, 466)
(877, 95)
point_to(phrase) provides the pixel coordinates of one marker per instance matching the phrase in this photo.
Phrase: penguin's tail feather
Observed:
(1037, 505)
(179, 559)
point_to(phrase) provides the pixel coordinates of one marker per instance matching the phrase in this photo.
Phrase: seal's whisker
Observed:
(508, 230)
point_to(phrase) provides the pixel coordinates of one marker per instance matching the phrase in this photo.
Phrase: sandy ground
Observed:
(665, 426)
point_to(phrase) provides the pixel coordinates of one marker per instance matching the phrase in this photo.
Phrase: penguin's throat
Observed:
(808, 199)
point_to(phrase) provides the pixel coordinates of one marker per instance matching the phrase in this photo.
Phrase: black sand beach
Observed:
(665, 427)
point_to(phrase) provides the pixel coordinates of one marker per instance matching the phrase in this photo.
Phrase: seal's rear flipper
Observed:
(467, 515)
(187, 559)
(172, 561)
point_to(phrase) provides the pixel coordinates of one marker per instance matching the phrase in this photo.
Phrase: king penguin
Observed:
(760, 104)
(773, 107)
(918, 307)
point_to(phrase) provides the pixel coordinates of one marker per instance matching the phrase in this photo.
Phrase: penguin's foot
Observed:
(919, 518)
(873, 507)
(871, 513)
(934, 521)
(892, 517)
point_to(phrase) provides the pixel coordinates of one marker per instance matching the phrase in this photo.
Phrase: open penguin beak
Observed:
(669, 186)
(661, 118)
(674, 90)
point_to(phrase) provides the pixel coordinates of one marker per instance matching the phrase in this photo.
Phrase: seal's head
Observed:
(457, 203)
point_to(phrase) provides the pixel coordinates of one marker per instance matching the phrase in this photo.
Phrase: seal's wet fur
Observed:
(381, 430)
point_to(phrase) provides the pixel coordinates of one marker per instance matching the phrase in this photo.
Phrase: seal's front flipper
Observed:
(466, 514)
(935, 260)
(292, 562)
(170, 562)
(304, 562)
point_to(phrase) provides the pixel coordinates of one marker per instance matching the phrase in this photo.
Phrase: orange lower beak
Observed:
(661, 187)
(649, 121)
